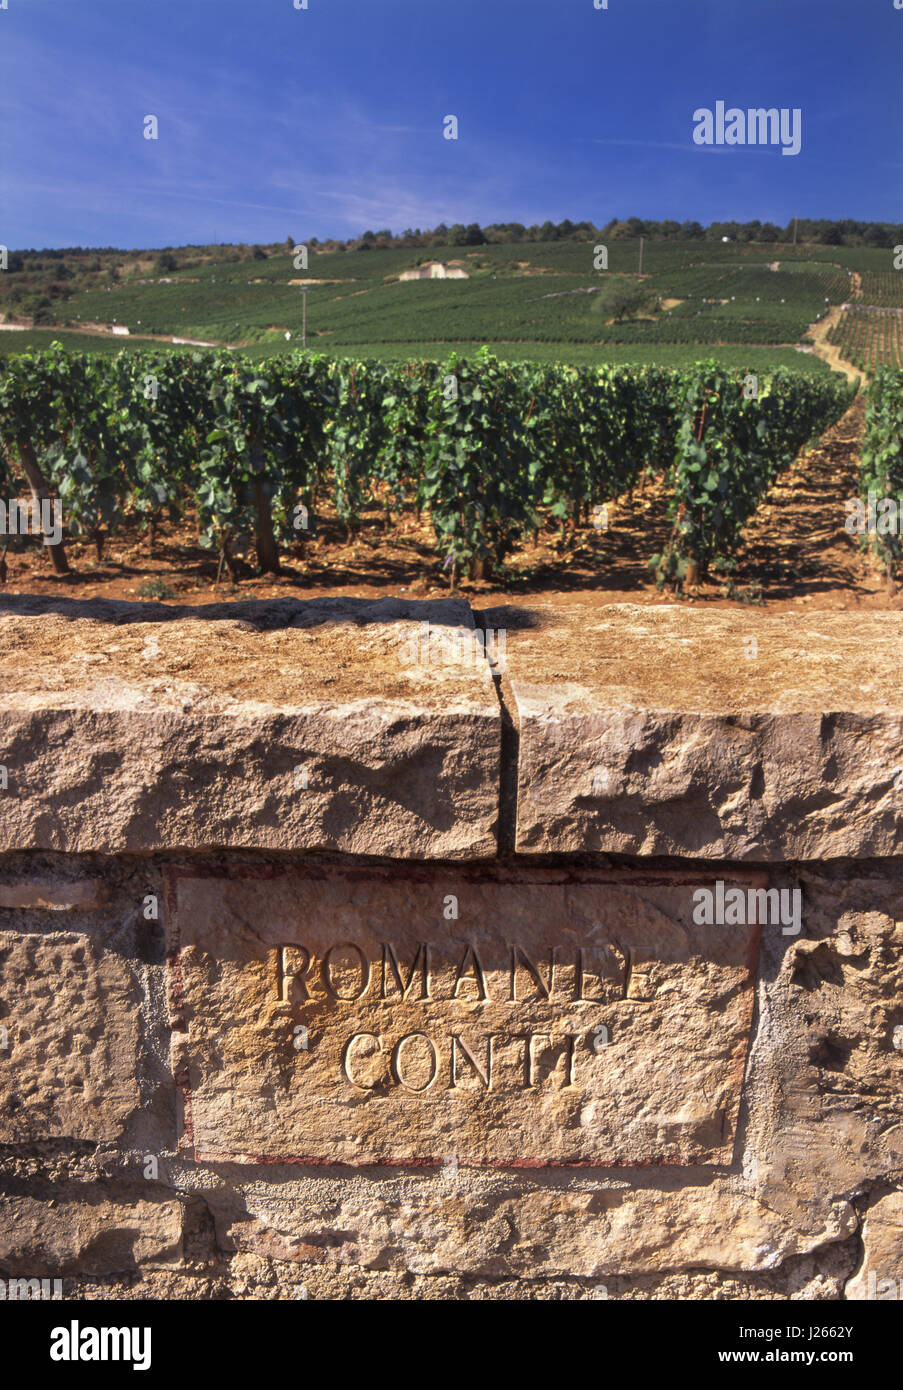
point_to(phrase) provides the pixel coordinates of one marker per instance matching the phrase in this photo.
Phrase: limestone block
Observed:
(86, 1234)
(70, 1025)
(357, 1017)
(670, 730)
(536, 1232)
(334, 724)
(880, 1274)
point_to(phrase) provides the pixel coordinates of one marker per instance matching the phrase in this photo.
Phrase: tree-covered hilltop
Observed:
(804, 230)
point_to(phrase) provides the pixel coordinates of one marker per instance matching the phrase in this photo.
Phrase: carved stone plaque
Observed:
(420, 1017)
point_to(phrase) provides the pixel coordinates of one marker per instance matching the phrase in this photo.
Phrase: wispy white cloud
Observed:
(688, 148)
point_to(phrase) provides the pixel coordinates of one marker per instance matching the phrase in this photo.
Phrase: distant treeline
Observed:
(809, 231)
(815, 232)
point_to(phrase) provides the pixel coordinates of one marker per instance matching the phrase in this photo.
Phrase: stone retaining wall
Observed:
(348, 954)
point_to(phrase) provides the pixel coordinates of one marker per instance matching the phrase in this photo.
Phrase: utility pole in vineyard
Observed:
(304, 316)
(640, 271)
(795, 222)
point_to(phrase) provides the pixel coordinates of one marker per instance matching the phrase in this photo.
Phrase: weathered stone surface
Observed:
(817, 1147)
(242, 1276)
(53, 895)
(826, 1070)
(289, 725)
(728, 1140)
(360, 1018)
(530, 1230)
(708, 732)
(880, 1275)
(66, 1233)
(72, 1019)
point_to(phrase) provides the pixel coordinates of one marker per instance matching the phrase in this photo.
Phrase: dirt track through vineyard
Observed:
(827, 351)
(818, 332)
(797, 543)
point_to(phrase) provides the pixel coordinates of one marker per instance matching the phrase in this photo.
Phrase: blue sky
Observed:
(278, 122)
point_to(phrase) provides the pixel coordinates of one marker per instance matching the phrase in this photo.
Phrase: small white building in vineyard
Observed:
(434, 270)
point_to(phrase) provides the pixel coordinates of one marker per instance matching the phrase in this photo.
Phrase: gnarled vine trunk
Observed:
(40, 492)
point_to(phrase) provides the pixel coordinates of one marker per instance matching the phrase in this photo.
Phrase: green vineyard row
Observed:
(488, 449)
(881, 468)
(869, 337)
